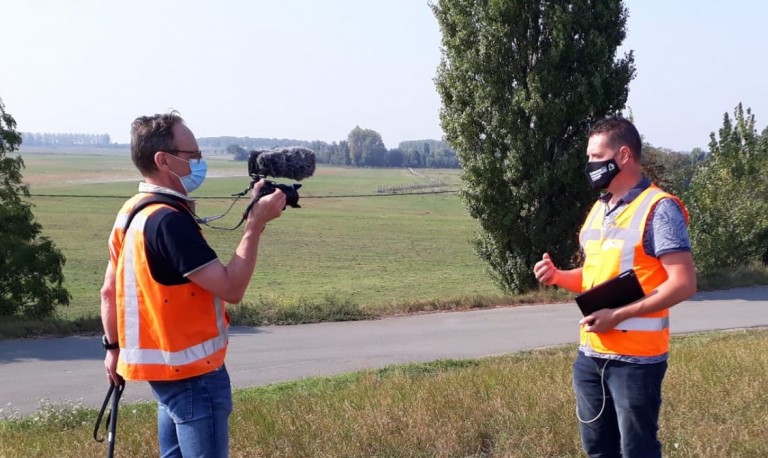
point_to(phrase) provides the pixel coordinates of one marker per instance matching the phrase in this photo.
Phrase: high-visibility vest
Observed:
(614, 249)
(165, 332)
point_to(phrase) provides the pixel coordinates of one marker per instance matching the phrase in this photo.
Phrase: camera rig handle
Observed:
(290, 191)
(291, 199)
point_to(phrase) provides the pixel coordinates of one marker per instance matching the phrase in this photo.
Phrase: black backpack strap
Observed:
(157, 199)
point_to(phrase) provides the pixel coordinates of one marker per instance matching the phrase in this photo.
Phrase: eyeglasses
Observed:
(198, 154)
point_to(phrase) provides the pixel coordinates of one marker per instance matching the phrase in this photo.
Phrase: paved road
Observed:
(70, 371)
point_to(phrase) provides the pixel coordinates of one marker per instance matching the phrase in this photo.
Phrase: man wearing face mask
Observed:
(622, 357)
(163, 303)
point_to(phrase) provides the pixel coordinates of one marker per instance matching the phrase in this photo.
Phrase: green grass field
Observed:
(372, 251)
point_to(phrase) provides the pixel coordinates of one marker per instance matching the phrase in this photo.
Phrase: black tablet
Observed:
(611, 294)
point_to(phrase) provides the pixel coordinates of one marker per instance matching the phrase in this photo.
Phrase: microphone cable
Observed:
(602, 408)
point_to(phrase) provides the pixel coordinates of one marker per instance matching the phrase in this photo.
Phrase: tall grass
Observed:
(520, 405)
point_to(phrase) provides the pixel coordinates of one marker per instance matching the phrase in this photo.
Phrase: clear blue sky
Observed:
(313, 70)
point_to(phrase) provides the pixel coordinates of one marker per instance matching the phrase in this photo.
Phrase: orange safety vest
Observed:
(614, 249)
(165, 332)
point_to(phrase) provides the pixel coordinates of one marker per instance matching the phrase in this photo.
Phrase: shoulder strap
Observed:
(156, 199)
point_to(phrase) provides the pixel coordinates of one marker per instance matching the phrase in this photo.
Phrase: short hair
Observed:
(150, 134)
(620, 132)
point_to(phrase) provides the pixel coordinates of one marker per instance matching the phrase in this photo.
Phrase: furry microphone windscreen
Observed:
(295, 163)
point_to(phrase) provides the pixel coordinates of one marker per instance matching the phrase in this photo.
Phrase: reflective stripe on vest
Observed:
(644, 324)
(189, 355)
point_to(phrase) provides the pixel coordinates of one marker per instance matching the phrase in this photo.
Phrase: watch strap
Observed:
(109, 346)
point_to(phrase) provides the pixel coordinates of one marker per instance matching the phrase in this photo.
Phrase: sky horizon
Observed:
(309, 70)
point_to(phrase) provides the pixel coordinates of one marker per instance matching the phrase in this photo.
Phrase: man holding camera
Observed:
(623, 352)
(163, 300)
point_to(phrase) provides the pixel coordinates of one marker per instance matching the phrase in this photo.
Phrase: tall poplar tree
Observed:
(30, 265)
(520, 82)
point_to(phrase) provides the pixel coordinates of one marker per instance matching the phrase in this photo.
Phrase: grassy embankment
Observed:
(521, 405)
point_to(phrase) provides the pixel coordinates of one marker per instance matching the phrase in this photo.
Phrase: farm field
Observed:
(346, 241)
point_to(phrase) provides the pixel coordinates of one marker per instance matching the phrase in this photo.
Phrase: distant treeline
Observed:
(362, 148)
(51, 139)
(221, 143)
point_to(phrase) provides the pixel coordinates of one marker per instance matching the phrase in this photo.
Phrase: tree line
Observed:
(361, 148)
(56, 140)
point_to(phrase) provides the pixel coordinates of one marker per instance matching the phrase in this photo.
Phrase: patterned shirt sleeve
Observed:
(668, 231)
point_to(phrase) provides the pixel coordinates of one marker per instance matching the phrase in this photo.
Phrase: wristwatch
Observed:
(107, 345)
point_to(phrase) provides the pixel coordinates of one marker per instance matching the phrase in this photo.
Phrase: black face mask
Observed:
(601, 173)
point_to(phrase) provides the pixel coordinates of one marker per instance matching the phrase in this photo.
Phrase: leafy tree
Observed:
(374, 151)
(366, 147)
(443, 159)
(238, 152)
(395, 157)
(728, 197)
(355, 142)
(428, 153)
(520, 83)
(413, 158)
(681, 167)
(343, 156)
(654, 166)
(346, 156)
(671, 170)
(30, 265)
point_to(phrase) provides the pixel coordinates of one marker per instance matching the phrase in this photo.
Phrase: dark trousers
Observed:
(618, 406)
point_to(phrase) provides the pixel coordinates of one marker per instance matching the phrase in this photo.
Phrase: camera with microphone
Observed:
(295, 163)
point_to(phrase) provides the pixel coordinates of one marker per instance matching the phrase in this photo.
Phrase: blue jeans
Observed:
(193, 415)
(618, 406)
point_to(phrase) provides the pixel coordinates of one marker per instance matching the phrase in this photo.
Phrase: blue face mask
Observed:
(198, 168)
